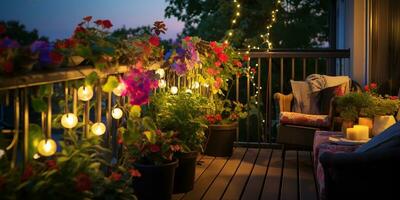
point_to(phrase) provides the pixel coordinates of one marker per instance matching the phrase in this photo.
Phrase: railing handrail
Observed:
(55, 76)
(301, 53)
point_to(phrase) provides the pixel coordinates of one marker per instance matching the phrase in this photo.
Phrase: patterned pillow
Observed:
(321, 121)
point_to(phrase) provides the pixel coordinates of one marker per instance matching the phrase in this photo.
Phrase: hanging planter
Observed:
(220, 139)
(185, 172)
(156, 181)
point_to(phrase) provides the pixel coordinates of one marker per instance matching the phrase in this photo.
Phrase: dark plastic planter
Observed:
(156, 182)
(220, 140)
(185, 172)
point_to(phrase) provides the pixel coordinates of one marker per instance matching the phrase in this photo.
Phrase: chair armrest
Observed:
(283, 102)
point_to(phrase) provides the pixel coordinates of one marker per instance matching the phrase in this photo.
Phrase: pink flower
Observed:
(175, 148)
(51, 164)
(115, 176)
(154, 40)
(374, 86)
(139, 85)
(187, 38)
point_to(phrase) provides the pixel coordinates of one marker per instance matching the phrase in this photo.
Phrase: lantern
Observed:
(47, 147)
(117, 113)
(85, 93)
(98, 128)
(69, 120)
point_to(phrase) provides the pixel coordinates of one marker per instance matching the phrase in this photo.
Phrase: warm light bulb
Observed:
(47, 147)
(196, 85)
(189, 91)
(69, 120)
(160, 72)
(117, 113)
(162, 83)
(85, 93)
(174, 90)
(98, 128)
(119, 89)
(206, 85)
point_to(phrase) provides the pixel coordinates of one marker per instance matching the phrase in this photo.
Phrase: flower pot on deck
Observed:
(185, 172)
(220, 139)
(156, 181)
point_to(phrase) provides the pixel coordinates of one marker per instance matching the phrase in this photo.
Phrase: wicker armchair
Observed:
(297, 136)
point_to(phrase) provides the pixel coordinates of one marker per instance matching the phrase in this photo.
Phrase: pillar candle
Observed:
(366, 122)
(362, 132)
(351, 133)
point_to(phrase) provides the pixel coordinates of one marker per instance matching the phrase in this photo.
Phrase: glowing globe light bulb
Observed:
(162, 83)
(69, 120)
(98, 128)
(174, 90)
(117, 113)
(160, 72)
(85, 93)
(119, 89)
(47, 147)
(196, 85)
(189, 91)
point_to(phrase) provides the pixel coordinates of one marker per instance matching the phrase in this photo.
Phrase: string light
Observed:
(85, 93)
(235, 19)
(69, 120)
(162, 83)
(98, 128)
(174, 90)
(47, 147)
(117, 113)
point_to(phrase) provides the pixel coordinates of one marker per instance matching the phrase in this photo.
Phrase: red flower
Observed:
(99, 22)
(56, 58)
(187, 38)
(213, 44)
(218, 50)
(79, 29)
(246, 58)
(2, 28)
(115, 176)
(154, 40)
(87, 18)
(51, 164)
(8, 66)
(82, 182)
(28, 172)
(374, 86)
(106, 24)
(223, 57)
(218, 64)
(210, 119)
(253, 70)
(218, 117)
(135, 173)
(238, 63)
(366, 88)
(218, 83)
(154, 148)
(393, 97)
(212, 71)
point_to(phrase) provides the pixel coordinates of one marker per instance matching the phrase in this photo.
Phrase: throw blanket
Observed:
(319, 82)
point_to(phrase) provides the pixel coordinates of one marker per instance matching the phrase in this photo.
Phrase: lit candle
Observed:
(351, 133)
(365, 121)
(362, 132)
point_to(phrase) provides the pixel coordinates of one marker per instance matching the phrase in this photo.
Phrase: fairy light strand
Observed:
(235, 19)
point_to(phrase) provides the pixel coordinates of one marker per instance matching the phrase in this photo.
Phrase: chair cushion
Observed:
(320, 121)
(304, 101)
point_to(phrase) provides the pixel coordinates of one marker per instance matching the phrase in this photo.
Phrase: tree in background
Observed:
(300, 23)
(17, 31)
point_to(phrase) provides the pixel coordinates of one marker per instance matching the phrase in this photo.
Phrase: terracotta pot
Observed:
(381, 123)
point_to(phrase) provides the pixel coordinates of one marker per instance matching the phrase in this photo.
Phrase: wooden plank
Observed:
(273, 178)
(217, 189)
(238, 182)
(206, 179)
(307, 188)
(289, 178)
(204, 163)
(256, 180)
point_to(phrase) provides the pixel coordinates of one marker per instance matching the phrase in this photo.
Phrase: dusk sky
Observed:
(58, 18)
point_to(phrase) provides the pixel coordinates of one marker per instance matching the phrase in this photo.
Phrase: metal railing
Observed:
(274, 69)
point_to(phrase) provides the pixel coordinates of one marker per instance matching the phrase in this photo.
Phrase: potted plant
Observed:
(222, 126)
(150, 151)
(183, 113)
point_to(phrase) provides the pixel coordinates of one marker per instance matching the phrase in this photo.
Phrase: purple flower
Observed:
(8, 43)
(179, 67)
(168, 55)
(44, 49)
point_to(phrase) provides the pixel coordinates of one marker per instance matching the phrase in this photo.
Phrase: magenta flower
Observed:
(139, 85)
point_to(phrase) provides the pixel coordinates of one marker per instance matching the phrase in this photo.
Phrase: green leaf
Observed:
(151, 137)
(95, 165)
(39, 105)
(91, 78)
(149, 124)
(112, 82)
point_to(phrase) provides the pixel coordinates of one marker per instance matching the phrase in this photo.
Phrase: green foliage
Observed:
(18, 32)
(112, 82)
(211, 20)
(35, 135)
(91, 79)
(39, 100)
(352, 104)
(385, 105)
(183, 113)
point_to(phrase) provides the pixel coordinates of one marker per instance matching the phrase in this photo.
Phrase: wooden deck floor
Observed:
(254, 174)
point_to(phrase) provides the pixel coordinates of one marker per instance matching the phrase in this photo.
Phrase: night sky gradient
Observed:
(58, 18)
